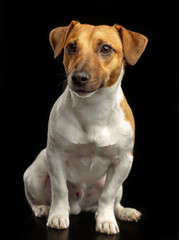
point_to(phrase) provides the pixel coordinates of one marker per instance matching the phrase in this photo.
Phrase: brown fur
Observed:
(133, 44)
(103, 70)
(128, 116)
(89, 39)
(127, 112)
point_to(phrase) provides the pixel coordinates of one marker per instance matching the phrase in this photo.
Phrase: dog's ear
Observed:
(58, 36)
(133, 44)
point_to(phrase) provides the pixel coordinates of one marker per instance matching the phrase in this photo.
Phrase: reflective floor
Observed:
(82, 227)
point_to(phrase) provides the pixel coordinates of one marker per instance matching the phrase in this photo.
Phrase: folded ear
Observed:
(133, 44)
(58, 36)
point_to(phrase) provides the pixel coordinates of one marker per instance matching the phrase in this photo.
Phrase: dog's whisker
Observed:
(62, 84)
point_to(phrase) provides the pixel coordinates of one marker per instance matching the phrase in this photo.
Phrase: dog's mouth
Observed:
(83, 93)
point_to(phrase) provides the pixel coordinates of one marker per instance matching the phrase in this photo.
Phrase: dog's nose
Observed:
(80, 78)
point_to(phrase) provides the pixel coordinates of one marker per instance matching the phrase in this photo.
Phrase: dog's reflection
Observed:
(53, 234)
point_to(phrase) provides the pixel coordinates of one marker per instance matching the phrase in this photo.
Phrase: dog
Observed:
(91, 130)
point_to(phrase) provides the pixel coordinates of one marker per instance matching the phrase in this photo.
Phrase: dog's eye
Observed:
(71, 47)
(106, 49)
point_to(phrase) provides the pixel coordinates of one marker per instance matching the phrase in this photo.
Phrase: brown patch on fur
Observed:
(103, 70)
(133, 44)
(128, 115)
(127, 112)
(113, 77)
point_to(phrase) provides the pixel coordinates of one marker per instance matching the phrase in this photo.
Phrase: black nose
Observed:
(80, 78)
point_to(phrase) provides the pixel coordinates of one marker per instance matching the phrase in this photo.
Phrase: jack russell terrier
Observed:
(90, 142)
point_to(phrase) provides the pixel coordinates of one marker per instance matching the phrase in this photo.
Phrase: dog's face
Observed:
(93, 55)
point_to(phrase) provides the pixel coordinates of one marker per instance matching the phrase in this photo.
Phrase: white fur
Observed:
(88, 139)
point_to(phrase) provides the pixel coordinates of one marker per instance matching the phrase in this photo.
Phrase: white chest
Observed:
(87, 163)
(89, 136)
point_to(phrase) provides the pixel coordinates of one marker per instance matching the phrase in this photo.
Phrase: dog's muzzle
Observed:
(79, 84)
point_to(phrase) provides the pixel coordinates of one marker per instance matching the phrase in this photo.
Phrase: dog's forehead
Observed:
(85, 33)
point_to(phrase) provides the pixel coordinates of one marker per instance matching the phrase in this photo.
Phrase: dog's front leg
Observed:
(59, 209)
(117, 173)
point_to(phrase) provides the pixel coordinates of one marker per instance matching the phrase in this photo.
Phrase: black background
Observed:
(31, 81)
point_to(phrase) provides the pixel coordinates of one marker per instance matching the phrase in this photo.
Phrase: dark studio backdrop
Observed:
(31, 81)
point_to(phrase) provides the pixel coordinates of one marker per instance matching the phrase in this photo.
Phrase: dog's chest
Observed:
(88, 163)
(101, 126)
(92, 147)
(89, 138)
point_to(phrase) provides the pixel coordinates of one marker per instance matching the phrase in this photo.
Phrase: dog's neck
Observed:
(108, 96)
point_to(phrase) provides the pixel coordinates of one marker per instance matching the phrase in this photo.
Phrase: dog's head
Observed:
(93, 55)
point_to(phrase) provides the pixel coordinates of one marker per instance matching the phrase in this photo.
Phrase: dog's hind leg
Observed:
(37, 186)
(123, 213)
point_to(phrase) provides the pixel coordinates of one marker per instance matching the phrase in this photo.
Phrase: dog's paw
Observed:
(41, 210)
(58, 221)
(128, 214)
(107, 225)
